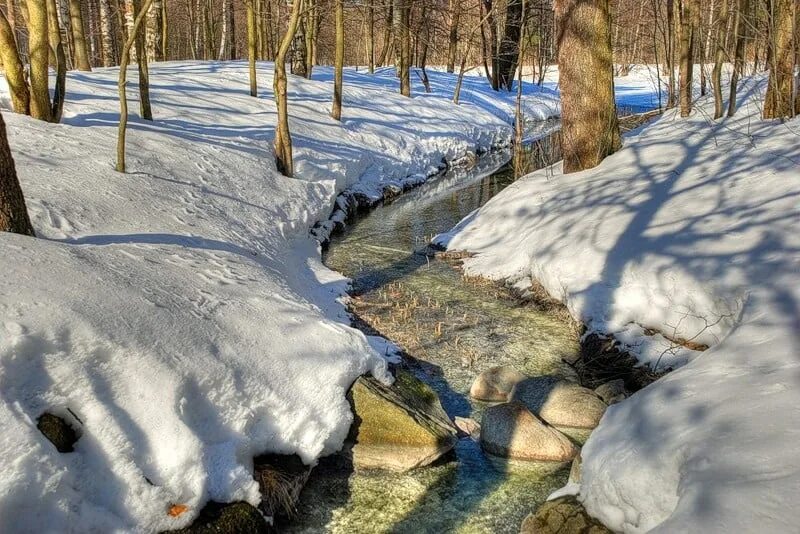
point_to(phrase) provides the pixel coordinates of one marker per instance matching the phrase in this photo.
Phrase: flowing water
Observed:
(451, 327)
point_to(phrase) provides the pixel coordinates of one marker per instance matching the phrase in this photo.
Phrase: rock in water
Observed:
(559, 402)
(233, 518)
(612, 392)
(397, 427)
(495, 384)
(510, 430)
(564, 515)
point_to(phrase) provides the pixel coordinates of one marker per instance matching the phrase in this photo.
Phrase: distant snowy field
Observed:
(180, 311)
(692, 229)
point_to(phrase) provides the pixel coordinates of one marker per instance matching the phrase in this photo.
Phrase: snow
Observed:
(179, 315)
(692, 230)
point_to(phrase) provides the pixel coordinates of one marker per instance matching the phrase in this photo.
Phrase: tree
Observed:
(452, 50)
(336, 112)
(508, 53)
(39, 51)
(123, 80)
(780, 98)
(13, 213)
(57, 48)
(252, 45)
(740, 31)
(371, 36)
(145, 110)
(14, 70)
(78, 38)
(589, 126)
(106, 34)
(402, 10)
(719, 57)
(688, 35)
(283, 139)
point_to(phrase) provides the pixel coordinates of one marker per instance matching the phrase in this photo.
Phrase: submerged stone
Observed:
(510, 430)
(495, 384)
(233, 518)
(397, 427)
(565, 515)
(58, 431)
(560, 402)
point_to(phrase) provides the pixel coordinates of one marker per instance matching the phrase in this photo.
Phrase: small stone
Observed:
(58, 431)
(397, 427)
(559, 402)
(612, 392)
(233, 518)
(468, 427)
(495, 384)
(565, 515)
(510, 430)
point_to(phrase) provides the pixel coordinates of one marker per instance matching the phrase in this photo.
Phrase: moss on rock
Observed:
(397, 427)
(564, 515)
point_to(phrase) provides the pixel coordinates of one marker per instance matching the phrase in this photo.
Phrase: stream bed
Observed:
(450, 328)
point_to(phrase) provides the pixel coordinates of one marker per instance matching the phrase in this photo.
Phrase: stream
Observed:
(450, 328)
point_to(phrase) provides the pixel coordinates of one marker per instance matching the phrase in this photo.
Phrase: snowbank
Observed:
(692, 229)
(179, 314)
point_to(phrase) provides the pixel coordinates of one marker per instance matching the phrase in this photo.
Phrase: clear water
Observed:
(452, 328)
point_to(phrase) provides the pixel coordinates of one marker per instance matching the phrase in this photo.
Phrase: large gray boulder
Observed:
(560, 402)
(564, 515)
(510, 430)
(495, 384)
(397, 427)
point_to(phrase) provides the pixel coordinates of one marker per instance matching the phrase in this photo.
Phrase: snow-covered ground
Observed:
(692, 229)
(179, 315)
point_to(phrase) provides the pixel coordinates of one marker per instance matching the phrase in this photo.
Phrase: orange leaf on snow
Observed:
(177, 509)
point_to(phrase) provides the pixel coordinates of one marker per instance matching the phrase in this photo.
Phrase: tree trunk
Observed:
(57, 47)
(223, 42)
(493, 48)
(779, 102)
(670, 60)
(509, 45)
(589, 127)
(740, 30)
(688, 30)
(13, 213)
(283, 138)
(719, 57)
(78, 37)
(39, 52)
(154, 29)
(163, 56)
(336, 112)
(14, 70)
(130, 16)
(144, 75)
(402, 10)
(387, 32)
(252, 45)
(452, 50)
(371, 36)
(106, 34)
(299, 59)
(133, 35)
(311, 35)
